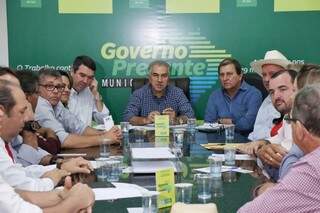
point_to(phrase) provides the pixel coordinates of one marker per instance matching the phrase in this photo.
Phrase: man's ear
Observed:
(72, 72)
(3, 110)
(300, 131)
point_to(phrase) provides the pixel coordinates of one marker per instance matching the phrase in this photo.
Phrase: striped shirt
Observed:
(298, 191)
(142, 102)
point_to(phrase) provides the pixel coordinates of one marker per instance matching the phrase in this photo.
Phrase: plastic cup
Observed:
(230, 155)
(101, 168)
(204, 183)
(191, 125)
(139, 135)
(149, 202)
(215, 164)
(113, 170)
(178, 136)
(229, 132)
(183, 192)
(124, 126)
(104, 148)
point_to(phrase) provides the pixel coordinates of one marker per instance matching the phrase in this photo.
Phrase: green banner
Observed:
(123, 42)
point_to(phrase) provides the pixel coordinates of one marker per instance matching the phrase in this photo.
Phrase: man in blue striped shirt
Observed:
(157, 97)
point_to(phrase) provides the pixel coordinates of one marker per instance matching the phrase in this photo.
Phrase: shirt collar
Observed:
(165, 92)
(57, 109)
(243, 87)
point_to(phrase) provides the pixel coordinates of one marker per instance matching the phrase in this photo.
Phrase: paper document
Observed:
(225, 169)
(122, 190)
(135, 210)
(151, 166)
(152, 153)
(238, 156)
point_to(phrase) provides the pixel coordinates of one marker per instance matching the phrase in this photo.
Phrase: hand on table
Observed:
(79, 195)
(225, 121)
(56, 175)
(172, 114)
(151, 116)
(77, 165)
(272, 154)
(250, 148)
(114, 134)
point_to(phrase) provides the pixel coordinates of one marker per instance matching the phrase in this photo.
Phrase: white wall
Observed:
(4, 58)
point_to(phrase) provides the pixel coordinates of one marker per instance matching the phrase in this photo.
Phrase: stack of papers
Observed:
(148, 167)
(210, 127)
(225, 169)
(238, 156)
(121, 190)
(152, 153)
(217, 146)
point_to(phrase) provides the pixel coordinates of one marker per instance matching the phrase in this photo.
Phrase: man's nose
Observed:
(85, 80)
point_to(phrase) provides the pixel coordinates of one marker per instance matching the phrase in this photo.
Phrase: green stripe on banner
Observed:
(85, 6)
(296, 5)
(192, 6)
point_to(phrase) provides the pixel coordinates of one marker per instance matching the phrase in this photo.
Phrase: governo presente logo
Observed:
(189, 54)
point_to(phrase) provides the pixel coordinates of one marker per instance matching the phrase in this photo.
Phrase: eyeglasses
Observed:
(51, 87)
(289, 119)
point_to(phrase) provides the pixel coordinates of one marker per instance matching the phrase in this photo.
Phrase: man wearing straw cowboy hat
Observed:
(273, 62)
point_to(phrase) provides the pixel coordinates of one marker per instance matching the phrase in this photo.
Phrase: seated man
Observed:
(71, 199)
(272, 150)
(85, 92)
(27, 151)
(51, 113)
(236, 102)
(273, 62)
(156, 98)
(34, 178)
(298, 191)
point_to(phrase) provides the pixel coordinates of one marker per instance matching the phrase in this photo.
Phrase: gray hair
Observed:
(306, 108)
(44, 72)
(6, 96)
(159, 63)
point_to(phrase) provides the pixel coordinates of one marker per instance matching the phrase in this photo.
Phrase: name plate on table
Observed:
(161, 125)
(108, 122)
(165, 186)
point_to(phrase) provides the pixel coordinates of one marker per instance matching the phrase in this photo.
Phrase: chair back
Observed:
(256, 80)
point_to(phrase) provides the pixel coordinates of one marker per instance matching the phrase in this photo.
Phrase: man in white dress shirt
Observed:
(70, 199)
(85, 92)
(34, 178)
(272, 63)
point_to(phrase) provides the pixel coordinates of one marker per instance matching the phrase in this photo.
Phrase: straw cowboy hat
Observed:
(271, 57)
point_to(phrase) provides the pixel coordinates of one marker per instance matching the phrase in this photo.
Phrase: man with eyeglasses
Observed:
(298, 191)
(71, 131)
(84, 92)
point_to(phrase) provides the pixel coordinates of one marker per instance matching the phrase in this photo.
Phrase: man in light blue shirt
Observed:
(51, 113)
(236, 102)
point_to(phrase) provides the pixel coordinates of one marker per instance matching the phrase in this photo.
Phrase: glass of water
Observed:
(204, 184)
(104, 148)
(191, 125)
(114, 170)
